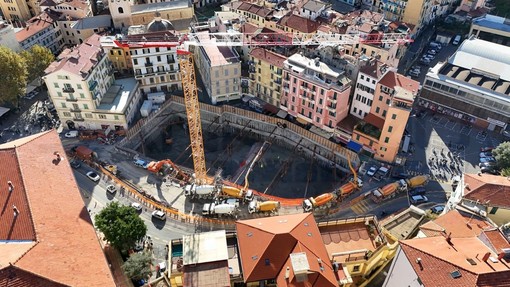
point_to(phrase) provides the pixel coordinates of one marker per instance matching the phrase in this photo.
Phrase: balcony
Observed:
(68, 90)
(331, 109)
(279, 72)
(78, 119)
(368, 129)
(170, 61)
(71, 99)
(75, 110)
(148, 64)
(93, 85)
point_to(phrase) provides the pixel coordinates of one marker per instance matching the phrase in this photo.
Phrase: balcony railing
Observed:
(70, 99)
(75, 110)
(148, 64)
(68, 90)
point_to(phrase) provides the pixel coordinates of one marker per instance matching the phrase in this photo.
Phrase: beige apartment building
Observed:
(266, 70)
(85, 94)
(18, 10)
(220, 70)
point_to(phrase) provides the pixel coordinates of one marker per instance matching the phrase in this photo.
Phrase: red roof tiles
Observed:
(487, 187)
(265, 246)
(34, 26)
(299, 23)
(67, 249)
(268, 56)
(455, 224)
(374, 120)
(393, 79)
(16, 277)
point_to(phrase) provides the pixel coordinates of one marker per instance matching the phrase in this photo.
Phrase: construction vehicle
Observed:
(321, 201)
(390, 190)
(166, 167)
(355, 183)
(266, 206)
(241, 193)
(83, 152)
(112, 169)
(200, 191)
(211, 209)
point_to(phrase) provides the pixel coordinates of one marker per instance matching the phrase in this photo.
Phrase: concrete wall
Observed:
(258, 126)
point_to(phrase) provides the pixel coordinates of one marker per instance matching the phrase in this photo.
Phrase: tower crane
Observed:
(237, 39)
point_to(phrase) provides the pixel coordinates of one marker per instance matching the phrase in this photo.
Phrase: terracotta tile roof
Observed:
(12, 276)
(67, 249)
(374, 120)
(12, 251)
(249, 28)
(255, 9)
(495, 239)
(439, 259)
(211, 274)
(265, 246)
(487, 187)
(456, 224)
(19, 226)
(79, 60)
(299, 23)
(34, 26)
(268, 56)
(392, 79)
(374, 69)
(47, 3)
(80, 4)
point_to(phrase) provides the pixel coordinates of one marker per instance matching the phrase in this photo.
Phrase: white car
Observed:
(137, 206)
(371, 171)
(159, 214)
(111, 189)
(93, 176)
(71, 134)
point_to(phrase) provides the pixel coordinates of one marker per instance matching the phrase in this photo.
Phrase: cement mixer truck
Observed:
(390, 190)
(266, 206)
(321, 201)
(230, 191)
(200, 191)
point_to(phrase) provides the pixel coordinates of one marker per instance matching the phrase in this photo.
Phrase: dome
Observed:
(158, 24)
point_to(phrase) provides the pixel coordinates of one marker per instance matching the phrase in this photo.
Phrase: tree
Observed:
(13, 75)
(502, 155)
(138, 266)
(121, 225)
(38, 58)
(505, 172)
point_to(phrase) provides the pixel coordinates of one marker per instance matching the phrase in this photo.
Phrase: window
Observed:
(354, 110)
(55, 85)
(377, 110)
(226, 72)
(386, 139)
(67, 114)
(357, 137)
(390, 129)
(59, 94)
(380, 98)
(89, 116)
(82, 95)
(387, 101)
(393, 117)
(362, 77)
(121, 11)
(85, 106)
(135, 61)
(116, 117)
(78, 86)
(318, 119)
(494, 210)
(63, 105)
(384, 113)
(103, 117)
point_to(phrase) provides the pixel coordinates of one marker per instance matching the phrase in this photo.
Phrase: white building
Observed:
(43, 30)
(8, 37)
(220, 70)
(312, 9)
(85, 93)
(368, 77)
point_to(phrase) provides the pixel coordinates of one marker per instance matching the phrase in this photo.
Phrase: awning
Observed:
(270, 108)
(282, 114)
(301, 121)
(354, 146)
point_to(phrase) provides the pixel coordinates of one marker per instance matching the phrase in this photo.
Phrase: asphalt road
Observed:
(96, 198)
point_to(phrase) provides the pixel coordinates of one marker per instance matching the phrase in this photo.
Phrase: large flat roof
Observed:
(493, 22)
(117, 97)
(205, 247)
(160, 6)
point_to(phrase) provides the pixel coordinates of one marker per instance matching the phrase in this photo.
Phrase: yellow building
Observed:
(251, 13)
(382, 129)
(266, 75)
(17, 10)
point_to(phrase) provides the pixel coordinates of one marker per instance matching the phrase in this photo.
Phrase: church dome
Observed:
(158, 24)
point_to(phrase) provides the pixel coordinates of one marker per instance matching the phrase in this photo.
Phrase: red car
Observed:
(486, 149)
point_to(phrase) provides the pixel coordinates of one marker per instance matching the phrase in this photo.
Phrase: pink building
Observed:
(314, 93)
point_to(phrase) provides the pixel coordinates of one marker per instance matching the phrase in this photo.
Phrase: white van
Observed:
(456, 40)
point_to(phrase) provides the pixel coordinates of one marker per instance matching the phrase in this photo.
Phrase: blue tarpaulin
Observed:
(354, 146)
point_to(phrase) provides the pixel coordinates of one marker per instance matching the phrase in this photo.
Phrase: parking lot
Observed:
(441, 56)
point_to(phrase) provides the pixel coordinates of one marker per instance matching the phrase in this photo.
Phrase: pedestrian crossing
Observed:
(361, 207)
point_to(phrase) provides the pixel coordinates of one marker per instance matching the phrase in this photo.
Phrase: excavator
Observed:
(165, 167)
(353, 184)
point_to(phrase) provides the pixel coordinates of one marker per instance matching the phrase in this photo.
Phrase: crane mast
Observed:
(189, 88)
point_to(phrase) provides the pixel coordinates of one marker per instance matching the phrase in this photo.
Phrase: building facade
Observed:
(368, 77)
(266, 69)
(43, 30)
(314, 93)
(220, 69)
(85, 94)
(382, 129)
(8, 37)
(17, 10)
(473, 85)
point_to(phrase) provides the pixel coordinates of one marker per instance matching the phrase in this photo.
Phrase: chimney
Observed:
(418, 261)
(486, 256)
(11, 186)
(317, 62)
(15, 209)
(287, 273)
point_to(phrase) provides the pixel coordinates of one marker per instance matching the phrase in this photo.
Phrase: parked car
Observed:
(432, 52)
(381, 172)
(490, 170)
(75, 164)
(425, 61)
(71, 134)
(159, 214)
(486, 154)
(137, 206)
(93, 176)
(487, 159)
(371, 171)
(438, 209)
(488, 164)
(486, 148)
(141, 163)
(414, 73)
(456, 40)
(418, 191)
(418, 199)
(111, 189)
(430, 57)
(436, 45)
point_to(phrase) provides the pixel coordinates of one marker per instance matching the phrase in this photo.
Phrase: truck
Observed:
(202, 191)
(265, 206)
(83, 152)
(235, 192)
(321, 201)
(349, 187)
(391, 189)
(416, 181)
(213, 208)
